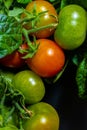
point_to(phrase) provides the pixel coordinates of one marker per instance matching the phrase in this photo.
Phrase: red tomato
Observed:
(48, 60)
(47, 18)
(14, 60)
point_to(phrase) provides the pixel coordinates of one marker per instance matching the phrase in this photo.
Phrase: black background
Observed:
(63, 96)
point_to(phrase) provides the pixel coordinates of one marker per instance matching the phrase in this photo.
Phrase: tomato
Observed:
(30, 84)
(48, 60)
(47, 18)
(15, 59)
(71, 30)
(43, 117)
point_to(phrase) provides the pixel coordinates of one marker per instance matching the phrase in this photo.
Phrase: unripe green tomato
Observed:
(71, 30)
(30, 85)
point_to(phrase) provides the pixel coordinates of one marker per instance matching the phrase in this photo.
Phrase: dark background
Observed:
(63, 96)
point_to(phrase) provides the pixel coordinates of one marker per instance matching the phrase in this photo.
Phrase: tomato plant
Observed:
(48, 60)
(45, 14)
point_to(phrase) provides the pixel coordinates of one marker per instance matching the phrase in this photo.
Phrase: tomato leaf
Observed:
(10, 35)
(8, 3)
(81, 78)
(24, 1)
(15, 11)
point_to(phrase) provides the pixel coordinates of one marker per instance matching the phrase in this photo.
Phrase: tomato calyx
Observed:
(33, 47)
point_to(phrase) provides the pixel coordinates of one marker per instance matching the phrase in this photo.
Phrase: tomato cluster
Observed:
(42, 54)
(37, 57)
(49, 58)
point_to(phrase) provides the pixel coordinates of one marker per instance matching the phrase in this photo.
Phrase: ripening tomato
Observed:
(49, 17)
(15, 59)
(43, 117)
(48, 60)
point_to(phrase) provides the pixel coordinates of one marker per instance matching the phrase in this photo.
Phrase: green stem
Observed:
(33, 47)
(25, 33)
(20, 124)
(10, 113)
(2, 103)
(54, 25)
(19, 107)
(24, 113)
(25, 20)
(2, 108)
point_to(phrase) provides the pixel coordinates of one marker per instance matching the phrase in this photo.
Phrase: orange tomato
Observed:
(49, 17)
(48, 60)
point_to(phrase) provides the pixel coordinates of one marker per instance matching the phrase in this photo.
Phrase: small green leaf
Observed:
(15, 12)
(24, 1)
(8, 3)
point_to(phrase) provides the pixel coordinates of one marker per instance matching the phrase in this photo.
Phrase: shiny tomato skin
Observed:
(43, 117)
(48, 60)
(43, 20)
(30, 85)
(14, 60)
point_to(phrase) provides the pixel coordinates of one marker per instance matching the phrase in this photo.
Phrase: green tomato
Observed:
(71, 30)
(31, 86)
(43, 117)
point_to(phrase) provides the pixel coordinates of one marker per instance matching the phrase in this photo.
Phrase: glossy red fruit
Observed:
(48, 60)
